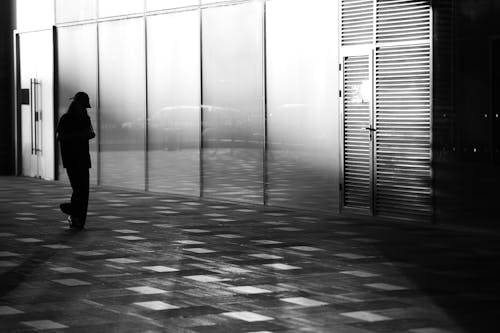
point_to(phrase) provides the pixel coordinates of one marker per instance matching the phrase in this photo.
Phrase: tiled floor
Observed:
(159, 263)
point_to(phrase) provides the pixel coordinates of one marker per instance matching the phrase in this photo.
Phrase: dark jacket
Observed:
(74, 131)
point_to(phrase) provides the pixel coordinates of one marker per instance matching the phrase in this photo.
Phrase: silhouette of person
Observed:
(74, 131)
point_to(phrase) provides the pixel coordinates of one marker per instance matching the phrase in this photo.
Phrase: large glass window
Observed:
(77, 68)
(174, 102)
(303, 156)
(233, 115)
(122, 96)
(75, 10)
(167, 4)
(120, 7)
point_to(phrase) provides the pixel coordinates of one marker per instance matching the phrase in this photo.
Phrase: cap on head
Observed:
(82, 99)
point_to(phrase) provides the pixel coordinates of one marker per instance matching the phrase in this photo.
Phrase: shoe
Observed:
(65, 208)
(75, 222)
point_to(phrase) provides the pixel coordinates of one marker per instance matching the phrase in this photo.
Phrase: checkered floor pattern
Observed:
(161, 263)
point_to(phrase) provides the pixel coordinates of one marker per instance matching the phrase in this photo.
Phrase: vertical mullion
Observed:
(201, 146)
(146, 108)
(373, 134)
(431, 112)
(98, 109)
(373, 110)
(265, 143)
(55, 96)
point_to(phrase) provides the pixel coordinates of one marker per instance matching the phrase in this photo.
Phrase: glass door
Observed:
(35, 79)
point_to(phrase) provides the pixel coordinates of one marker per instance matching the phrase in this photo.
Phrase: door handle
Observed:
(371, 129)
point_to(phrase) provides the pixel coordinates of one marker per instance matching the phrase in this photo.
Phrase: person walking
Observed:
(73, 132)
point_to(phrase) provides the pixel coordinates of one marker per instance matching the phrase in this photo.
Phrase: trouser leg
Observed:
(79, 180)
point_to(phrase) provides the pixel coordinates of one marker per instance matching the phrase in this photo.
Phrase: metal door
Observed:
(357, 131)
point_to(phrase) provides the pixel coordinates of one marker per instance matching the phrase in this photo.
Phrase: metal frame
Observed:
(146, 107)
(17, 106)
(201, 145)
(492, 41)
(265, 175)
(98, 107)
(55, 80)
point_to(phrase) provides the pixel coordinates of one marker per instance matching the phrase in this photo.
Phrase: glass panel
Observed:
(77, 50)
(75, 10)
(166, 4)
(303, 121)
(122, 102)
(174, 102)
(34, 14)
(120, 7)
(233, 102)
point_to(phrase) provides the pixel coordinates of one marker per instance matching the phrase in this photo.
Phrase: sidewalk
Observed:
(161, 263)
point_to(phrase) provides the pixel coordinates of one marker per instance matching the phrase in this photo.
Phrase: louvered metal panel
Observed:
(402, 20)
(357, 149)
(403, 138)
(357, 22)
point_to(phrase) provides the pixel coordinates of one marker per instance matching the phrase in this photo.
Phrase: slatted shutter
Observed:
(402, 20)
(357, 147)
(403, 137)
(357, 22)
(399, 172)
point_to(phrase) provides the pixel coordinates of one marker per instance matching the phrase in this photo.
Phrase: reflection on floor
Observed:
(293, 178)
(152, 263)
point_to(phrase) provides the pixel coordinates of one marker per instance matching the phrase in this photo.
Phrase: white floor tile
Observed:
(130, 238)
(248, 290)
(247, 316)
(44, 324)
(7, 310)
(306, 302)
(137, 221)
(122, 260)
(57, 246)
(282, 267)
(266, 242)
(189, 242)
(196, 231)
(229, 236)
(305, 248)
(199, 250)
(90, 253)
(156, 305)
(361, 274)
(145, 290)
(126, 231)
(29, 240)
(67, 270)
(365, 316)
(265, 256)
(205, 278)
(161, 269)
